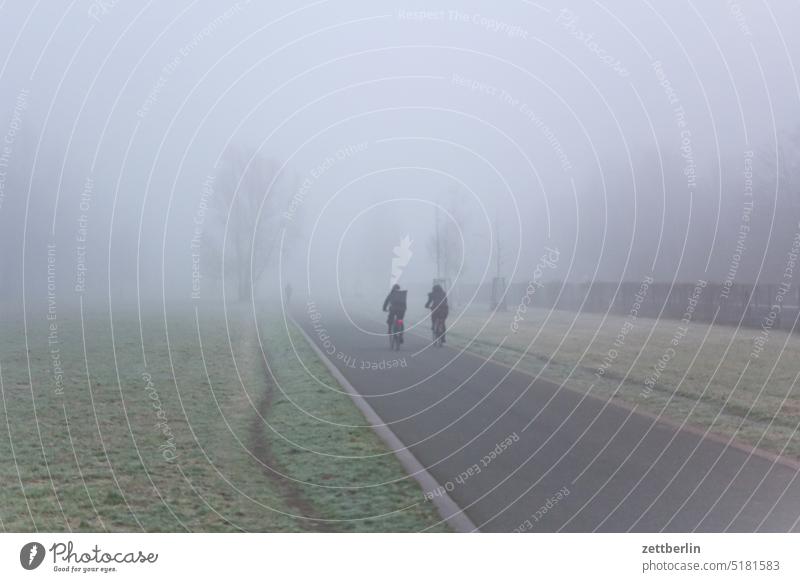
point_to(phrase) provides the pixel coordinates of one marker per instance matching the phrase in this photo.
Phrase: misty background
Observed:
(152, 151)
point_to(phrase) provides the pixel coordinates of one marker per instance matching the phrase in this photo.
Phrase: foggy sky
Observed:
(621, 134)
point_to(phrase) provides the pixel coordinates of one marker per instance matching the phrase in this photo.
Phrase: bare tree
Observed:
(779, 167)
(248, 204)
(446, 244)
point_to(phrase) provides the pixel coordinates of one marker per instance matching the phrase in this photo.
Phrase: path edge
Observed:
(448, 509)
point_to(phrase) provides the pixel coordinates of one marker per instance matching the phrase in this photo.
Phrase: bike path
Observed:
(569, 463)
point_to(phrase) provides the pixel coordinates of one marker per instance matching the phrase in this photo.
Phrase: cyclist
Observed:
(437, 303)
(395, 304)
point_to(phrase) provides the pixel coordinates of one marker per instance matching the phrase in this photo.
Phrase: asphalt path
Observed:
(522, 455)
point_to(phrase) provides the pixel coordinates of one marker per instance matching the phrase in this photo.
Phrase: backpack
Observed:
(398, 299)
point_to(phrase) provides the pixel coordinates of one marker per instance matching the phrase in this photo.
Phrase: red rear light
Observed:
(399, 322)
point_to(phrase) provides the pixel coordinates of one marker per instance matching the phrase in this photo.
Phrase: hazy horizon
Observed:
(629, 140)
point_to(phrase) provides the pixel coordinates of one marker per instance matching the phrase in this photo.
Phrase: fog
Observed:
(184, 150)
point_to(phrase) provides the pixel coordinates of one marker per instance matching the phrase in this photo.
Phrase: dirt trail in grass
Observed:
(259, 445)
(203, 391)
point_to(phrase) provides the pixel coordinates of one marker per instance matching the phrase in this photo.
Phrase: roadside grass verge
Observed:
(315, 429)
(709, 376)
(170, 443)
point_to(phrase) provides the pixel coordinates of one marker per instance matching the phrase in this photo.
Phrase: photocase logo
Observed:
(31, 555)
(402, 255)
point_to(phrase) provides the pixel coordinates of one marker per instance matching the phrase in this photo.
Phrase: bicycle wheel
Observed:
(394, 340)
(438, 332)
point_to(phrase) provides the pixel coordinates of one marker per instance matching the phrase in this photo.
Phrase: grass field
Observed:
(184, 442)
(707, 375)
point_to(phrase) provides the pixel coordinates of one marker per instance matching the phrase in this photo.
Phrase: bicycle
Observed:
(396, 334)
(438, 331)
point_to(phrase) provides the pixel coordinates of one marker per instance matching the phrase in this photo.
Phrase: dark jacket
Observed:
(437, 302)
(396, 299)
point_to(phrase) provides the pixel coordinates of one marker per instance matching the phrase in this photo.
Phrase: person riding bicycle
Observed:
(395, 304)
(437, 303)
